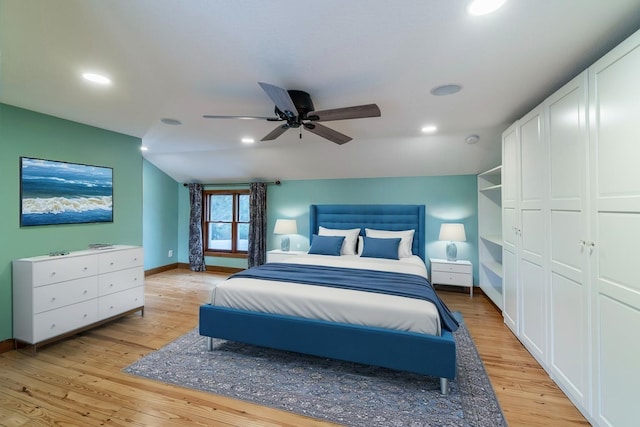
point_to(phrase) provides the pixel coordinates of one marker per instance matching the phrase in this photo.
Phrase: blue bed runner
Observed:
(383, 282)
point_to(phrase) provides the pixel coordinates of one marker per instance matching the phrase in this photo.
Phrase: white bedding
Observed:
(338, 305)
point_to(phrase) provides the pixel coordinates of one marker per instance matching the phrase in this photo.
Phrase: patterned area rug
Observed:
(342, 392)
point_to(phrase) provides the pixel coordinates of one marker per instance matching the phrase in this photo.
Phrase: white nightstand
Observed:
(278, 255)
(456, 273)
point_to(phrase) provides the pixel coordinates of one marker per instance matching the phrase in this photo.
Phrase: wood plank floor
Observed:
(79, 381)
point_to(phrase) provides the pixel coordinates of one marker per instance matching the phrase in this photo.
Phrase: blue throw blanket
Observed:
(384, 282)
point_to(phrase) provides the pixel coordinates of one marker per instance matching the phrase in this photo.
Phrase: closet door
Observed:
(510, 225)
(614, 94)
(570, 242)
(533, 234)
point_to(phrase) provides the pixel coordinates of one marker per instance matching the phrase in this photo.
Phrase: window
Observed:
(226, 222)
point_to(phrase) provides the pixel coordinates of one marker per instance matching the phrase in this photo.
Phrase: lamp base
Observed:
(285, 244)
(452, 252)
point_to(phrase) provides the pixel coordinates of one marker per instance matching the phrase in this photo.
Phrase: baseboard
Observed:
(161, 269)
(214, 268)
(7, 345)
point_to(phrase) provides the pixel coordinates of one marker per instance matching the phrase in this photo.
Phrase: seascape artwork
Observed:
(53, 192)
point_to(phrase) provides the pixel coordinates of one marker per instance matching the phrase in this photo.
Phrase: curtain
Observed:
(196, 254)
(257, 251)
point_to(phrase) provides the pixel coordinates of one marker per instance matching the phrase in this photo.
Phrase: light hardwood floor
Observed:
(79, 381)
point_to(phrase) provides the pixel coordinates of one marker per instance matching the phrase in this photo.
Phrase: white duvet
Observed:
(337, 305)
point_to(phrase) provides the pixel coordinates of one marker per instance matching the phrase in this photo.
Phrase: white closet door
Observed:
(614, 93)
(569, 239)
(533, 234)
(510, 226)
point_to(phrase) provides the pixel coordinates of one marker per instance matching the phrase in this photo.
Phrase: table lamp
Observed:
(452, 232)
(285, 226)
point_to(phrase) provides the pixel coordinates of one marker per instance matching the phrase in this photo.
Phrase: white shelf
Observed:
(495, 239)
(490, 233)
(497, 171)
(493, 266)
(492, 188)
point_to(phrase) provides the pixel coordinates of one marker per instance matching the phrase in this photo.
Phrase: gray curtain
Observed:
(257, 251)
(196, 254)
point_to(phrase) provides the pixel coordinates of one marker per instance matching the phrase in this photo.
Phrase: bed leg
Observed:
(209, 344)
(444, 386)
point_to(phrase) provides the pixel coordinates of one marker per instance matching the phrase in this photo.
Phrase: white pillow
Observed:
(406, 239)
(360, 244)
(350, 238)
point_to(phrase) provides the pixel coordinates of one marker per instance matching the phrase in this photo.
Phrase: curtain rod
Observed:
(276, 182)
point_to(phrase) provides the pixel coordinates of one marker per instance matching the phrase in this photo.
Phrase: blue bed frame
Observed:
(404, 351)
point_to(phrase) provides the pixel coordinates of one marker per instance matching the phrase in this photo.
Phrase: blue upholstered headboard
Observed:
(379, 217)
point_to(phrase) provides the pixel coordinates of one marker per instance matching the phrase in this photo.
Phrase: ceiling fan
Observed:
(296, 109)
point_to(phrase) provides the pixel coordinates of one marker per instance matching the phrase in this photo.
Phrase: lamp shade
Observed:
(286, 226)
(452, 232)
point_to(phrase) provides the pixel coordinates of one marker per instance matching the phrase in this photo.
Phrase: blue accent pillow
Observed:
(380, 248)
(326, 245)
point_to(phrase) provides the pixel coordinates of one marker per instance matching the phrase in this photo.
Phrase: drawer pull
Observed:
(111, 285)
(84, 316)
(53, 299)
(53, 325)
(53, 273)
(86, 268)
(111, 308)
(85, 292)
(111, 263)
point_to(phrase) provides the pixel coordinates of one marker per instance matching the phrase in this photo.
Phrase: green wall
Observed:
(447, 199)
(160, 217)
(26, 133)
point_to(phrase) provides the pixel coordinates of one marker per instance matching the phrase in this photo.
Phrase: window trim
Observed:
(234, 225)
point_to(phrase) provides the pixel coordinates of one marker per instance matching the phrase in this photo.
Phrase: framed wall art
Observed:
(56, 192)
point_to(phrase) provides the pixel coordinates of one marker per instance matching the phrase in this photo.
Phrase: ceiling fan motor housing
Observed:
(303, 103)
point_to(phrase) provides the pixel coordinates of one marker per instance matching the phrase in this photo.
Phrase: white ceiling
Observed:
(185, 58)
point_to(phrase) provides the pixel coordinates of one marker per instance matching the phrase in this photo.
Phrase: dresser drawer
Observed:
(61, 269)
(447, 278)
(65, 319)
(120, 280)
(58, 295)
(114, 304)
(120, 260)
(450, 268)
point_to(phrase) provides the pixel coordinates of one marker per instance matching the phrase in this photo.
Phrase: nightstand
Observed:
(278, 255)
(455, 273)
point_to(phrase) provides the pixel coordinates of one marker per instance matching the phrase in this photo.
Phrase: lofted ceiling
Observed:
(183, 59)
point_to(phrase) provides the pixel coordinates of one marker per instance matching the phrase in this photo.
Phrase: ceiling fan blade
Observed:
(275, 133)
(357, 112)
(280, 97)
(327, 133)
(213, 116)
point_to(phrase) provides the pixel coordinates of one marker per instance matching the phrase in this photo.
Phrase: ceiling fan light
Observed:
(248, 140)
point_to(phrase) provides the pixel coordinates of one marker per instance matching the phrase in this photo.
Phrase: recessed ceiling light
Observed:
(172, 122)
(248, 140)
(97, 78)
(143, 148)
(444, 90)
(429, 129)
(484, 7)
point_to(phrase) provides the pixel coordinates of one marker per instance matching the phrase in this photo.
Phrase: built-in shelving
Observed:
(490, 232)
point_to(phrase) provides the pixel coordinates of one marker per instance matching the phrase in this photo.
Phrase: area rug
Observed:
(341, 392)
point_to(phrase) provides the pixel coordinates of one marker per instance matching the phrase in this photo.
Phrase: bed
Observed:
(420, 351)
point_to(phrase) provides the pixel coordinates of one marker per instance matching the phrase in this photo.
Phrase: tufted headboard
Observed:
(379, 217)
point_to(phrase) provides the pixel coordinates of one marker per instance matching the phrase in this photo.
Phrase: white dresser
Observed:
(57, 295)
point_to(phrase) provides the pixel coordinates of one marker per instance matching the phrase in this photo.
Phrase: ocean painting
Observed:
(53, 192)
